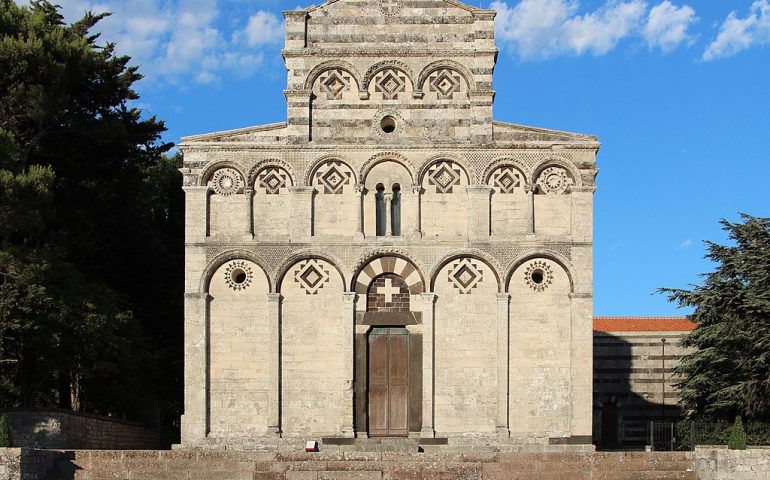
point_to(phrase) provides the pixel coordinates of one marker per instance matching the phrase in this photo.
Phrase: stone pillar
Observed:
(196, 213)
(428, 301)
(581, 227)
(274, 368)
(348, 324)
(298, 129)
(581, 366)
(248, 194)
(503, 329)
(360, 191)
(417, 196)
(195, 422)
(301, 221)
(478, 211)
(530, 189)
(388, 227)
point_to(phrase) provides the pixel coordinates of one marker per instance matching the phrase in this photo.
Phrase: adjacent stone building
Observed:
(390, 261)
(634, 382)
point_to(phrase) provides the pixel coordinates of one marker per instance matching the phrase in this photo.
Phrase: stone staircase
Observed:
(256, 465)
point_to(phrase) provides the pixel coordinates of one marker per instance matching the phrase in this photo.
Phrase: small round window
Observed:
(388, 124)
(538, 276)
(238, 276)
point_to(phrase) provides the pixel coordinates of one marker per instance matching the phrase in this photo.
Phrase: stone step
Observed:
(192, 465)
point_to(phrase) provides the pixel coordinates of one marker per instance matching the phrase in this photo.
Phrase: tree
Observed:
(728, 373)
(90, 223)
(5, 433)
(737, 440)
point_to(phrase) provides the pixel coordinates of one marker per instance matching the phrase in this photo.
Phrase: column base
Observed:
(347, 432)
(427, 432)
(502, 433)
(358, 235)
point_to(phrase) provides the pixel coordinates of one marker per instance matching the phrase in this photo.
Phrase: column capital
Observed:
(359, 188)
(530, 188)
(196, 188)
(197, 296)
(503, 297)
(583, 189)
(349, 298)
(417, 189)
(274, 297)
(428, 298)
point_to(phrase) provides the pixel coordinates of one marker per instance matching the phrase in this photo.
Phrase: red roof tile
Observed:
(642, 324)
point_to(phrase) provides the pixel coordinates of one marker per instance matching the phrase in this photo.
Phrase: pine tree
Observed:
(728, 373)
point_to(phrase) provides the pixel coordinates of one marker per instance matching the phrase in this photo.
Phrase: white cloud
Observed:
(737, 34)
(183, 41)
(686, 244)
(546, 28)
(667, 26)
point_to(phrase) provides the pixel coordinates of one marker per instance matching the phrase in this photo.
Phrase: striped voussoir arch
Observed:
(396, 265)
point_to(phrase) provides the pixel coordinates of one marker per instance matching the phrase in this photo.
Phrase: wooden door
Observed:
(388, 382)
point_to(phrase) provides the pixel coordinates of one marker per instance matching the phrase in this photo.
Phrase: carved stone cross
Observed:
(388, 290)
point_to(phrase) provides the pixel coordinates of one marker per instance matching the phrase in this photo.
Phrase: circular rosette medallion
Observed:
(227, 181)
(538, 275)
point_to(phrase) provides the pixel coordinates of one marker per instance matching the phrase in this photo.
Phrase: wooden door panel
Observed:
(388, 382)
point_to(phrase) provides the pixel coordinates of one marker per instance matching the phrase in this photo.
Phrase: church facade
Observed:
(390, 261)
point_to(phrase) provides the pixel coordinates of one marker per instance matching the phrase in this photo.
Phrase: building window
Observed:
(395, 211)
(379, 199)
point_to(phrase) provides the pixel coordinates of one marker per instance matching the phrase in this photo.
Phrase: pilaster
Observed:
(348, 327)
(195, 418)
(274, 368)
(196, 213)
(503, 329)
(478, 212)
(428, 370)
(301, 221)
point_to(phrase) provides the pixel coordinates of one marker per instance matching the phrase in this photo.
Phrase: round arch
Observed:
(386, 157)
(556, 161)
(377, 263)
(474, 254)
(470, 172)
(212, 167)
(224, 257)
(446, 63)
(503, 162)
(329, 65)
(306, 255)
(318, 162)
(379, 66)
(556, 257)
(270, 162)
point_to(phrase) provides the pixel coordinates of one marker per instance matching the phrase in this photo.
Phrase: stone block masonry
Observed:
(67, 430)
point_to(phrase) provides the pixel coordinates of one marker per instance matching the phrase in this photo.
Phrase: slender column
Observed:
(417, 196)
(248, 193)
(530, 189)
(348, 324)
(428, 301)
(195, 418)
(196, 213)
(360, 191)
(388, 227)
(503, 301)
(274, 367)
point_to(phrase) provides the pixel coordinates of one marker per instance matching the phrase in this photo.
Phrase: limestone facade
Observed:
(390, 260)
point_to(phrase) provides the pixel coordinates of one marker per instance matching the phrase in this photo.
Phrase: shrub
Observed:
(5, 432)
(737, 440)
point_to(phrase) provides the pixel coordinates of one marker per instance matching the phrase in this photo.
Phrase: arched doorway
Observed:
(610, 424)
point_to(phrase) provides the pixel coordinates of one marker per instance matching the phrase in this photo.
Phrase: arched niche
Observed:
(508, 207)
(238, 323)
(227, 207)
(314, 346)
(271, 200)
(336, 203)
(444, 200)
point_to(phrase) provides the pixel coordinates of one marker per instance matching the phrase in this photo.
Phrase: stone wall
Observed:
(723, 464)
(66, 430)
(26, 463)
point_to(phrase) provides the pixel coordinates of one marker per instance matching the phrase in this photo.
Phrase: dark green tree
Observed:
(728, 373)
(737, 440)
(5, 433)
(90, 224)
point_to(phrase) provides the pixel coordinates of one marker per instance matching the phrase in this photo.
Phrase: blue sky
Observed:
(678, 93)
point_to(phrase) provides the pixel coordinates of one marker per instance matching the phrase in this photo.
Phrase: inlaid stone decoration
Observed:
(333, 83)
(554, 180)
(444, 175)
(332, 176)
(538, 275)
(311, 276)
(227, 181)
(390, 7)
(238, 275)
(390, 82)
(506, 179)
(388, 293)
(444, 82)
(273, 179)
(465, 275)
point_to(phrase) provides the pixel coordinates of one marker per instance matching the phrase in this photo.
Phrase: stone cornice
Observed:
(280, 147)
(334, 53)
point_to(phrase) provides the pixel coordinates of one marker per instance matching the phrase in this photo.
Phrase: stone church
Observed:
(389, 261)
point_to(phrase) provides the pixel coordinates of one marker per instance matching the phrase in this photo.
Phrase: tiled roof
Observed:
(642, 324)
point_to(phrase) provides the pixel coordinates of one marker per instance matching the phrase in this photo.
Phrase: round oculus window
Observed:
(388, 124)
